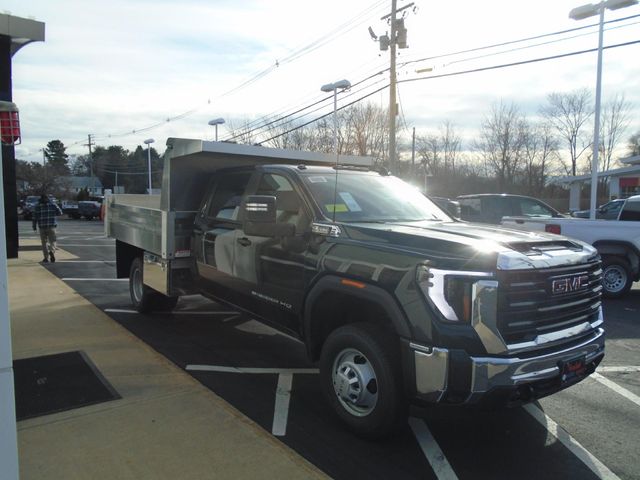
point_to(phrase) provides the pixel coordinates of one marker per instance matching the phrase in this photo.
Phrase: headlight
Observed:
(450, 291)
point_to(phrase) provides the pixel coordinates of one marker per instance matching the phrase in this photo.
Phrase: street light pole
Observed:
(392, 91)
(333, 87)
(580, 13)
(148, 143)
(215, 122)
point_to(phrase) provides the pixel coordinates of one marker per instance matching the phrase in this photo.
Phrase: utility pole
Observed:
(90, 144)
(392, 91)
(396, 39)
(413, 152)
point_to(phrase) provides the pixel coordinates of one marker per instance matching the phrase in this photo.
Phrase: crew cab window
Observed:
(612, 207)
(631, 211)
(470, 209)
(289, 206)
(531, 208)
(496, 207)
(227, 195)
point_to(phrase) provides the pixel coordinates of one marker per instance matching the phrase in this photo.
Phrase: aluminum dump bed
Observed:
(162, 224)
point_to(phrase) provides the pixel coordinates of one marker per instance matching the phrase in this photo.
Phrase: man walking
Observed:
(44, 215)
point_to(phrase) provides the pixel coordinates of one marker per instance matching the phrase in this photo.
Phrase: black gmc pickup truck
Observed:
(397, 301)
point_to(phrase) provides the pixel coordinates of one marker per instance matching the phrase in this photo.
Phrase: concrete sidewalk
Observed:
(166, 425)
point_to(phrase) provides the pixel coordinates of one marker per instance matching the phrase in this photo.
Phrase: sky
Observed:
(112, 69)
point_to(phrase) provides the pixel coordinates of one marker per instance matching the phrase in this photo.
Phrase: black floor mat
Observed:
(55, 383)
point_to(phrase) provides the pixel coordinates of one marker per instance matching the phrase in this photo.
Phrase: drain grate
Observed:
(55, 383)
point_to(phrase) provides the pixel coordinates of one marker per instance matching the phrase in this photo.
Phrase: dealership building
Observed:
(623, 182)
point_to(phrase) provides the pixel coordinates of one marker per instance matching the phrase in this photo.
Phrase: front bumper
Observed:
(452, 376)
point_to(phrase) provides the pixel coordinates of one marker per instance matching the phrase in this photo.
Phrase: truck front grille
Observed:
(536, 302)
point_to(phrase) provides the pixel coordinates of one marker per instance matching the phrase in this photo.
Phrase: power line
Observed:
(271, 120)
(475, 70)
(312, 46)
(520, 40)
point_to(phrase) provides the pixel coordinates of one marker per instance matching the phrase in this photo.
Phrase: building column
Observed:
(8, 156)
(574, 196)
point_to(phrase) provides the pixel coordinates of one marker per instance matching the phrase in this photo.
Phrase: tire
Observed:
(143, 298)
(616, 277)
(162, 303)
(364, 354)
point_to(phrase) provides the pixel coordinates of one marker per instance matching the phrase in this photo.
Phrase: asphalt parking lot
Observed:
(591, 430)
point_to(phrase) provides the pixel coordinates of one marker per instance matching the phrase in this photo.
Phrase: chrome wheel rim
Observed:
(614, 278)
(355, 382)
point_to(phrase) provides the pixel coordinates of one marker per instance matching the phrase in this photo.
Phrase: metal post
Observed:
(216, 125)
(335, 147)
(392, 90)
(596, 128)
(149, 164)
(413, 153)
(8, 429)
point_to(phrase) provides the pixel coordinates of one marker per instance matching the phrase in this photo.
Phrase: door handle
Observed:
(244, 241)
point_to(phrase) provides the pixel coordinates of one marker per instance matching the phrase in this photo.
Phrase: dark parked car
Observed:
(89, 209)
(70, 208)
(452, 207)
(608, 211)
(28, 206)
(490, 207)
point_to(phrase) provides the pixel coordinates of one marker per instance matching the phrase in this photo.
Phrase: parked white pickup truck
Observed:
(618, 242)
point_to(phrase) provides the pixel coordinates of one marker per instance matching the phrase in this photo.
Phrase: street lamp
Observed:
(580, 13)
(333, 87)
(215, 122)
(148, 143)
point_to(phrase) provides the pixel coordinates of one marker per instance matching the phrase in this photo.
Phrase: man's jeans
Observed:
(48, 239)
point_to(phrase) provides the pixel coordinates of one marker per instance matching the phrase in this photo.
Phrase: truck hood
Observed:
(474, 245)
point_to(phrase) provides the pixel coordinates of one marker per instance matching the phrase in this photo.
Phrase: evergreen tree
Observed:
(57, 158)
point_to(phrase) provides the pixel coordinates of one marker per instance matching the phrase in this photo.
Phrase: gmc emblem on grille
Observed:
(569, 284)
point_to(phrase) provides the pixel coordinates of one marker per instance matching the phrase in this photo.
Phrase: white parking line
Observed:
(279, 371)
(281, 409)
(85, 261)
(595, 465)
(616, 388)
(85, 245)
(70, 279)
(620, 369)
(174, 312)
(431, 450)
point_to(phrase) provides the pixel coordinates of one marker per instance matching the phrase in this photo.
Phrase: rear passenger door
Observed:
(271, 270)
(215, 233)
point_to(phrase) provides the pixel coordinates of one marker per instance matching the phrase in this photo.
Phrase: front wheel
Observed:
(361, 378)
(616, 277)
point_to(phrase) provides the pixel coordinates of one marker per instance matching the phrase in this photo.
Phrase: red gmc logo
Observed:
(569, 284)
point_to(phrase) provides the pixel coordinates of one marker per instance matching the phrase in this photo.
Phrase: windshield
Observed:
(370, 197)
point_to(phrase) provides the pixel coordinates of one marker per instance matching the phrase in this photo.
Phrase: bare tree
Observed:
(540, 150)
(451, 143)
(440, 152)
(633, 144)
(616, 115)
(569, 113)
(430, 153)
(502, 141)
(241, 131)
(366, 130)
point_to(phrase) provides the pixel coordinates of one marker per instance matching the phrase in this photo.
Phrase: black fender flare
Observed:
(370, 293)
(623, 245)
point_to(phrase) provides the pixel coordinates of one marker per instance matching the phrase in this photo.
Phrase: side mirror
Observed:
(260, 218)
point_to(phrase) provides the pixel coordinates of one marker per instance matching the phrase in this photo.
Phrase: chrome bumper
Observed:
(432, 367)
